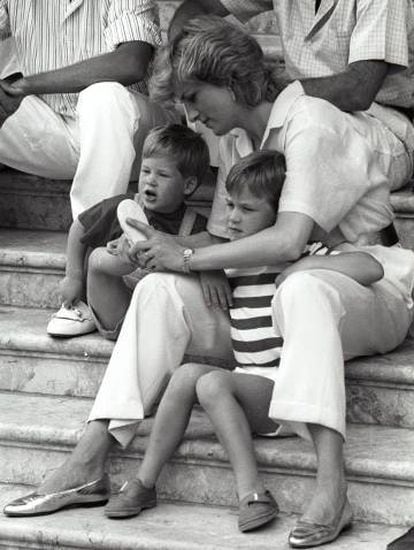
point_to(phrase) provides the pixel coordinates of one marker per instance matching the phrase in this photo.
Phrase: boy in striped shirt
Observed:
(240, 406)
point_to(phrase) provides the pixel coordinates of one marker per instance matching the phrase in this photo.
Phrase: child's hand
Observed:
(216, 289)
(71, 290)
(119, 247)
(112, 247)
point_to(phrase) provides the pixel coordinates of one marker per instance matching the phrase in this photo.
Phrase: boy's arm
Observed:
(71, 287)
(198, 240)
(360, 266)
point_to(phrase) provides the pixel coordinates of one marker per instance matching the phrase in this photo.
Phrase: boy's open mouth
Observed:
(150, 194)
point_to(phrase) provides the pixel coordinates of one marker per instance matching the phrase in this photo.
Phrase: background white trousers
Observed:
(97, 149)
(322, 315)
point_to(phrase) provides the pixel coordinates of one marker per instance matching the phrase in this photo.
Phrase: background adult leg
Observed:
(113, 123)
(37, 140)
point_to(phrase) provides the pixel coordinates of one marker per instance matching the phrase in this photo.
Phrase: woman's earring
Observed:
(232, 94)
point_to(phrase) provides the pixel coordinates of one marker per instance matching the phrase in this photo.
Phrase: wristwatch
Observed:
(187, 255)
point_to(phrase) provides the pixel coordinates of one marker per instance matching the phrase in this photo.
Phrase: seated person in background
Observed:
(237, 402)
(99, 50)
(175, 162)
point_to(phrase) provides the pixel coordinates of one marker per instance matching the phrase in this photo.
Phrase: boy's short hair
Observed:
(187, 148)
(262, 173)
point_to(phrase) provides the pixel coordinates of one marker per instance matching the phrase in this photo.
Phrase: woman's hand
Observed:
(216, 289)
(71, 290)
(160, 252)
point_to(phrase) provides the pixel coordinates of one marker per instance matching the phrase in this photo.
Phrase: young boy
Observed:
(175, 161)
(236, 402)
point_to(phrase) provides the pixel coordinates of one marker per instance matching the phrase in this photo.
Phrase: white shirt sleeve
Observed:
(131, 20)
(327, 190)
(380, 32)
(5, 31)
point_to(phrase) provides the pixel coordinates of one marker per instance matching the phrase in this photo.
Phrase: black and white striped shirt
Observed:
(255, 338)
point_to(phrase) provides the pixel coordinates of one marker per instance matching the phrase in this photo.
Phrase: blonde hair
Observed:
(211, 50)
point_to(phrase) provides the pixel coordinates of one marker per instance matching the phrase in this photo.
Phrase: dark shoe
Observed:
(131, 499)
(256, 510)
(94, 493)
(405, 542)
(307, 535)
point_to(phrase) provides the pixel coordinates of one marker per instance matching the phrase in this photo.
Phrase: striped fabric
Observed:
(255, 341)
(50, 34)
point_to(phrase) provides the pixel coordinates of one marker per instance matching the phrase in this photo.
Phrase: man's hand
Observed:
(216, 289)
(71, 290)
(9, 103)
(160, 252)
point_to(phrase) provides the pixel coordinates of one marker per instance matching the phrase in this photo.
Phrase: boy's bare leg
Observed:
(86, 463)
(238, 404)
(108, 296)
(171, 420)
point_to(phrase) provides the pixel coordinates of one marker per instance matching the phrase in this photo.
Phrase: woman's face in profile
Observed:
(214, 106)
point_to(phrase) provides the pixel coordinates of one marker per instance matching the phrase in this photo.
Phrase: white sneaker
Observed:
(72, 321)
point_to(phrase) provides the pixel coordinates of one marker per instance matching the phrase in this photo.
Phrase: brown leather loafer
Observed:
(308, 535)
(131, 499)
(257, 509)
(94, 493)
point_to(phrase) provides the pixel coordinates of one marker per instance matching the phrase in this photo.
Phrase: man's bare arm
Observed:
(194, 8)
(352, 90)
(127, 64)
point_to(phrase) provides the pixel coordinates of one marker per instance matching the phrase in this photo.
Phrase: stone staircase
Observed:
(47, 387)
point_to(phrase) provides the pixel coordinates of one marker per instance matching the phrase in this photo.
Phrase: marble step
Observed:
(37, 432)
(380, 389)
(167, 527)
(30, 202)
(31, 265)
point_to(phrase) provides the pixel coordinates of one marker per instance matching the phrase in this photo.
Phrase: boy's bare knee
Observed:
(186, 376)
(209, 387)
(95, 258)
